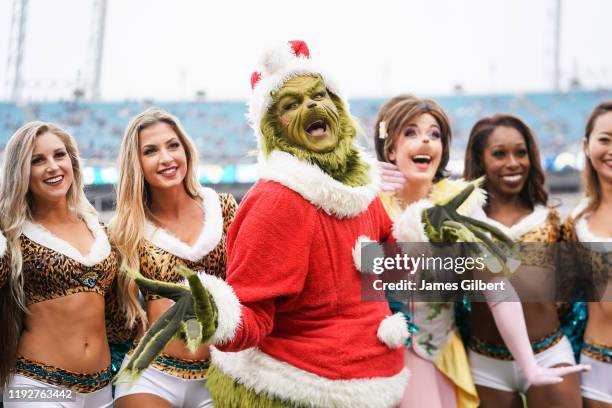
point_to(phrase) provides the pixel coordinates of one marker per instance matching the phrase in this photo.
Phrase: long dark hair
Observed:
(533, 191)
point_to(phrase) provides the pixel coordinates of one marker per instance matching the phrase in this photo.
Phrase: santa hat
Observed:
(278, 65)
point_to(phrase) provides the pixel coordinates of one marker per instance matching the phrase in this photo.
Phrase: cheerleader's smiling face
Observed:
(598, 147)
(506, 161)
(162, 156)
(51, 173)
(418, 149)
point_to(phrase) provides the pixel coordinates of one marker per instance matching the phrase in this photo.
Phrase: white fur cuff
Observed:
(374, 250)
(228, 307)
(408, 227)
(393, 330)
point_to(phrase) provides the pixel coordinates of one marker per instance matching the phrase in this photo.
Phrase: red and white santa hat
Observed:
(278, 65)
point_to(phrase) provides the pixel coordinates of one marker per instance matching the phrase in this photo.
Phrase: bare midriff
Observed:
(541, 320)
(598, 327)
(67, 332)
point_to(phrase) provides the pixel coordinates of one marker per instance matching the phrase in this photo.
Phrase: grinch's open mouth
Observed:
(316, 128)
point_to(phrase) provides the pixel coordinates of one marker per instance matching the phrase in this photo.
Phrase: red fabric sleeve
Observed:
(268, 251)
(385, 222)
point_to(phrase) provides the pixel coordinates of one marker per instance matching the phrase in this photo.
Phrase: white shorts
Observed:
(597, 383)
(505, 375)
(102, 398)
(177, 391)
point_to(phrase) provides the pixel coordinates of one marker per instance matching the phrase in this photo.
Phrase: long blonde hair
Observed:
(16, 202)
(134, 198)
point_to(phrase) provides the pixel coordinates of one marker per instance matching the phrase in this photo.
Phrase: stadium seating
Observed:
(223, 136)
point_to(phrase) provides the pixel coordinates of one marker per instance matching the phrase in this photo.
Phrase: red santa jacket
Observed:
(304, 333)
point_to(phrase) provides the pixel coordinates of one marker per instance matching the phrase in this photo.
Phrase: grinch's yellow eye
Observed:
(290, 106)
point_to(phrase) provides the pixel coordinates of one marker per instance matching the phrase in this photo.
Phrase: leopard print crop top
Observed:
(591, 256)
(543, 225)
(161, 251)
(53, 268)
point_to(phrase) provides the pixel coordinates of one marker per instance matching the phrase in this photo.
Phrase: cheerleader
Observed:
(166, 218)
(503, 149)
(414, 135)
(590, 222)
(60, 268)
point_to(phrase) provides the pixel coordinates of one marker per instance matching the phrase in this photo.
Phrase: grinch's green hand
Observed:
(444, 224)
(192, 318)
(206, 311)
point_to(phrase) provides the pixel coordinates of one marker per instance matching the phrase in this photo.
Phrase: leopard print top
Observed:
(160, 251)
(53, 268)
(588, 264)
(543, 226)
(548, 231)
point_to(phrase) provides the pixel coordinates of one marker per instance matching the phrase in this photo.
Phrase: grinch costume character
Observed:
(295, 331)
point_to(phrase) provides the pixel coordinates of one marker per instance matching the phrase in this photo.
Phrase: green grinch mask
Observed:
(308, 117)
(312, 124)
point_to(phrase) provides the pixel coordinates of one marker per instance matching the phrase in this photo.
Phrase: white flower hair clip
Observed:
(382, 130)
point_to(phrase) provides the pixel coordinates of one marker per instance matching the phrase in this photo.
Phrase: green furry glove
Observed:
(444, 224)
(193, 318)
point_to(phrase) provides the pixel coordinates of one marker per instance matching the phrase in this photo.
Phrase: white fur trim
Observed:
(393, 330)
(262, 373)
(582, 204)
(357, 251)
(98, 252)
(538, 216)
(209, 236)
(475, 201)
(228, 307)
(409, 226)
(378, 252)
(446, 189)
(2, 244)
(276, 58)
(279, 65)
(584, 234)
(317, 187)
